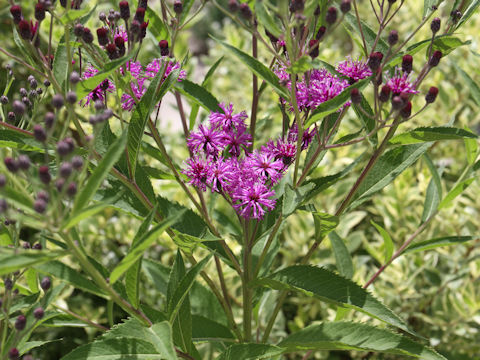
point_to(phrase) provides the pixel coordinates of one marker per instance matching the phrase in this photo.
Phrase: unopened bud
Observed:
(72, 189)
(65, 170)
(178, 7)
(384, 93)
(20, 322)
(431, 95)
(77, 162)
(102, 36)
(435, 58)
(74, 78)
(49, 120)
(45, 283)
(435, 25)
(38, 313)
(314, 51)
(87, 35)
(392, 37)
(71, 97)
(78, 30)
(124, 10)
(245, 11)
(163, 44)
(321, 31)
(13, 354)
(16, 12)
(44, 174)
(407, 63)
(39, 11)
(355, 96)
(11, 164)
(18, 107)
(406, 110)
(345, 6)
(140, 15)
(331, 16)
(375, 60)
(24, 162)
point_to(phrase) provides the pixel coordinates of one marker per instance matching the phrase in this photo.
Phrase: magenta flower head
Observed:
(252, 200)
(207, 140)
(228, 119)
(99, 91)
(198, 170)
(266, 166)
(401, 83)
(237, 140)
(220, 174)
(355, 70)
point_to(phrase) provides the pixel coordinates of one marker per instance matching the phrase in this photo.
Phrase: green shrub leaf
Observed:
(250, 352)
(342, 256)
(438, 242)
(11, 260)
(199, 95)
(387, 240)
(425, 134)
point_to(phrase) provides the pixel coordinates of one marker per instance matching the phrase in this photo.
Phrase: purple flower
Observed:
(228, 119)
(308, 135)
(198, 170)
(156, 65)
(221, 174)
(206, 140)
(282, 150)
(98, 92)
(235, 140)
(266, 166)
(401, 83)
(253, 200)
(355, 70)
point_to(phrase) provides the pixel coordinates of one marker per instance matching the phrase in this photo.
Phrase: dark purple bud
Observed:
(321, 31)
(46, 83)
(384, 93)
(98, 105)
(11, 116)
(431, 95)
(77, 162)
(20, 322)
(119, 42)
(143, 30)
(38, 313)
(72, 189)
(57, 101)
(23, 92)
(40, 206)
(25, 30)
(331, 16)
(397, 103)
(297, 5)
(13, 354)
(45, 283)
(375, 60)
(16, 12)
(456, 15)
(345, 6)
(24, 162)
(111, 16)
(104, 85)
(26, 245)
(233, 5)
(3, 207)
(39, 11)
(65, 170)
(78, 30)
(245, 11)
(314, 51)
(39, 91)
(143, 4)
(8, 283)
(407, 63)
(124, 10)
(178, 7)
(406, 110)
(49, 119)
(355, 96)
(63, 3)
(63, 148)
(435, 58)
(3, 180)
(102, 36)
(87, 35)
(74, 78)
(107, 114)
(163, 45)
(32, 82)
(392, 37)
(140, 15)
(112, 51)
(4, 100)
(18, 107)
(135, 28)
(44, 174)
(71, 97)
(11, 164)
(42, 194)
(435, 25)
(39, 133)
(59, 184)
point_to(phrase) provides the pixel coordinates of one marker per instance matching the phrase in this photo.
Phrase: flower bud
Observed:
(24, 162)
(11, 116)
(456, 15)
(49, 120)
(4, 100)
(71, 97)
(321, 31)
(40, 206)
(143, 30)
(78, 30)
(102, 17)
(20, 322)
(3, 180)
(87, 35)
(102, 36)
(397, 103)
(345, 6)
(37, 246)
(38, 313)
(111, 16)
(4, 208)
(45, 283)
(43, 195)
(375, 60)
(233, 5)
(384, 93)
(435, 25)
(163, 44)
(407, 63)
(77, 162)
(18, 107)
(406, 110)
(63, 3)
(112, 51)
(16, 12)
(140, 15)
(245, 11)
(23, 91)
(435, 58)
(355, 96)
(63, 149)
(431, 95)
(72, 189)
(57, 101)
(74, 78)
(11, 164)
(392, 37)
(143, 4)
(39, 11)
(124, 10)
(59, 184)
(44, 174)
(297, 5)
(13, 354)
(331, 16)
(119, 42)
(314, 51)
(46, 83)
(178, 7)
(25, 30)
(65, 170)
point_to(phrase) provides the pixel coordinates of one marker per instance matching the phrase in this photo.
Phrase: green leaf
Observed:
(70, 276)
(83, 214)
(387, 240)
(86, 86)
(324, 224)
(141, 114)
(265, 19)
(187, 5)
(5, 236)
(30, 345)
(199, 95)
(31, 276)
(205, 329)
(211, 71)
(258, 68)
(342, 256)
(100, 173)
(332, 105)
(160, 335)
(11, 261)
(370, 35)
(73, 14)
(114, 349)
(434, 191)
(438, 242)
(132, 276)
(341, 335)
(425, 134)
(183, 287)
(387, 168)
(15, 140)
(468, 13)
(293, 198)
(470, 83)
(60, 65)
(156, 25)
(250, 352)
(332, 288)
(453, 193)
(427, 6)
(471, 148)
(139, 248)
(368, 122)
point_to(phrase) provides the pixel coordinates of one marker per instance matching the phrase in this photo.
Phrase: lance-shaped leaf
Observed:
(333, 288)
(257, 67)
(156, 90)
(438, 242)
(343, 335)
(453, 193)
(425, 134)
(11, 261)
(387, 241)
(199, 95)
(342, 256)
(250, 352)
(139, 248)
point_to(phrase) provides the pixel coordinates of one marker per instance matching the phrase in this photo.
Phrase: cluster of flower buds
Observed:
(27, 29)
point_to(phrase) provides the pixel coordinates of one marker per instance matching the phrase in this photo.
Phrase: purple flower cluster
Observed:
(354, 70)
(223, 162)
(401, 83)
